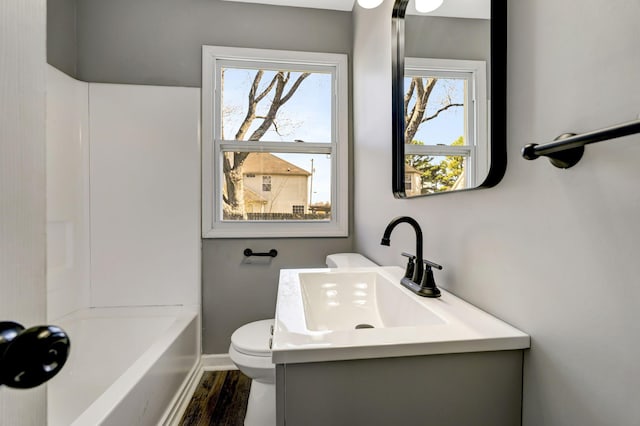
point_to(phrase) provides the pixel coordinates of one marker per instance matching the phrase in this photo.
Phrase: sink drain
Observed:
(363, 326)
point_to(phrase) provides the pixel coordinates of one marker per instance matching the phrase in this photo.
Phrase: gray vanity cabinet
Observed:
(463, 389)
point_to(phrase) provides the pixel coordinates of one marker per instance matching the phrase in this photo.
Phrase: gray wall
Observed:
(62, 44)
(235, 293)
(553, 252)
(449, 38)
(159, 42)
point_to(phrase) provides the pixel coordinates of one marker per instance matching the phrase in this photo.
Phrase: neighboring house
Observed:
(273, 185)
(320, 209)
(412, 181)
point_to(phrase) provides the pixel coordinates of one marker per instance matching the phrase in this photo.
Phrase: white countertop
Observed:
(464, 328)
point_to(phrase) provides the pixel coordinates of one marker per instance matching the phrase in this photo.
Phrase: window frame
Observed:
(212, 149)
(476, 152)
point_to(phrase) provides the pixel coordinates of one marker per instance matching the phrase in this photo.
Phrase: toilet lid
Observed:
(253, 338)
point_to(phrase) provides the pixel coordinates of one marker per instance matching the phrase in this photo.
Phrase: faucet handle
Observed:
(411, 266)
(430, 264)
(428, 286)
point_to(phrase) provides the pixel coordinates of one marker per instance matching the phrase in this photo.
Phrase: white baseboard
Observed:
(217, 362)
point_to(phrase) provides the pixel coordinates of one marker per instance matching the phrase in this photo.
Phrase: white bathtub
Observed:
(126, 365)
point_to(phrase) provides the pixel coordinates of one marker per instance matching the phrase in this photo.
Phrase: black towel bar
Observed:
(271, 253)
(567, 149)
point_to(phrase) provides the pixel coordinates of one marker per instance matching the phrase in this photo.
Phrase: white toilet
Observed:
(250, 351)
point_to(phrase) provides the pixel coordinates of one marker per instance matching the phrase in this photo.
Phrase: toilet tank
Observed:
(348, 260)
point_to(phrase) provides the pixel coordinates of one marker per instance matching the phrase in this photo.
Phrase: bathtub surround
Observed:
(123, 195)
(68, 245)
(550, 251)
(145, 200)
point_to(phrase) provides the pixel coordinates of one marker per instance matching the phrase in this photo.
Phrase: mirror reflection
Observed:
(443, 93)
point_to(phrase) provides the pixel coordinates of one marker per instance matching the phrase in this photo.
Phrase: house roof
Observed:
(251, 196)
(264, 163)
(411, 169)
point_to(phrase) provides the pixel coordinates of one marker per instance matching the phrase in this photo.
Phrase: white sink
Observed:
(358, 300)
(358, 313)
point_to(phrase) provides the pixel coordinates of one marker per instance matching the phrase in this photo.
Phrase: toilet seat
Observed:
(253, 339)
(252, 362)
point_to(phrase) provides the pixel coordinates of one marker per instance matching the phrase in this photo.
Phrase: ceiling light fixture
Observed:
(370, 4)
(426, 6)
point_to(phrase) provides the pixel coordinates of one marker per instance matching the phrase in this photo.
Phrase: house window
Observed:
(447, 118)
(280, 118)
(407, 182)
(266, 183)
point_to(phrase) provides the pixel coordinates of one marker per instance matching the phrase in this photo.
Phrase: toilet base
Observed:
(261, 408)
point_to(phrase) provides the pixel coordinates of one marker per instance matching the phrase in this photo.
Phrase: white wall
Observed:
(22, 187)
(551, 251)
(145, 195)
(67, 194)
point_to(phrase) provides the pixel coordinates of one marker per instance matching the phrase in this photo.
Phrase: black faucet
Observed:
(415, 278)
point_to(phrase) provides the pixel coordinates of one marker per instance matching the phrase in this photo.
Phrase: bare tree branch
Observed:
(295, 86)
(444, 108)
(277, 102)
(415, 116)
(407, 98)
(251, 107)
(422, 93)
(267, 89)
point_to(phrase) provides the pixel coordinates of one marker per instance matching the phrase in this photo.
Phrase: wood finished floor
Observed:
(220, 400)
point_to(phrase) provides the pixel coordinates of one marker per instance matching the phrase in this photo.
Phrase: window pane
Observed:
(431, 174)
(276, 186)
(441, 114)
(282, 106)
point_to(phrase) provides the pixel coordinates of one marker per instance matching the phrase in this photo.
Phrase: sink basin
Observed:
(358, 300)
(358, 313)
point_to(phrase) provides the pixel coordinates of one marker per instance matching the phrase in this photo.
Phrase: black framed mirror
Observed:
(448, 97)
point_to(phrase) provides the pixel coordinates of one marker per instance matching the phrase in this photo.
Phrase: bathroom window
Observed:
(446, 147)
(274, 129)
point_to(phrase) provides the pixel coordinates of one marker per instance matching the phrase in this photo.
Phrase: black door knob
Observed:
(30, 357)
(9, 330)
